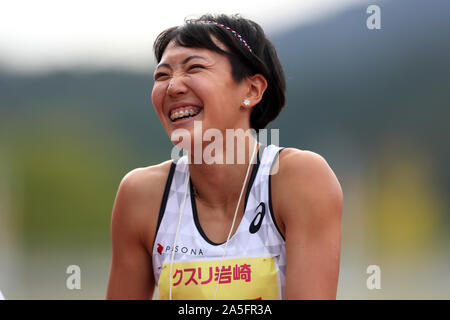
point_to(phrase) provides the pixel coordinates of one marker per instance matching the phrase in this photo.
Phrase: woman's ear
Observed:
(257, 85)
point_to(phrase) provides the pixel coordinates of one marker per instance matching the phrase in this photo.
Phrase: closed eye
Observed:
(158, 75)
(196, 66)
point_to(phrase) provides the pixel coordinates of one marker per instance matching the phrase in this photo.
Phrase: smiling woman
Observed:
(186, 228)
(221, 40)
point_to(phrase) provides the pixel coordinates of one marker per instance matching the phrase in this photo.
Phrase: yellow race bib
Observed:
(240, 279)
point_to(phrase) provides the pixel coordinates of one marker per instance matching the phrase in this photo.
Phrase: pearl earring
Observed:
(247, 102)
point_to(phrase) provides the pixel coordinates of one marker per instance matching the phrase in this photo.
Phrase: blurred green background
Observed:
(374, 103)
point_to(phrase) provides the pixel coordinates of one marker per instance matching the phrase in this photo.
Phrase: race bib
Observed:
(240, 279)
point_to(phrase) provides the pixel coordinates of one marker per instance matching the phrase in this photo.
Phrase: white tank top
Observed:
(255, 264)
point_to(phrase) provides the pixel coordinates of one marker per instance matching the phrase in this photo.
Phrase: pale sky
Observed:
(41, 35)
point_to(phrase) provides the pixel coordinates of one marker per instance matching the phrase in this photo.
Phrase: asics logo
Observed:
(257, 221)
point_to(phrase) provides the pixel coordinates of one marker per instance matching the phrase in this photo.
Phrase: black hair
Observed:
(262, 59)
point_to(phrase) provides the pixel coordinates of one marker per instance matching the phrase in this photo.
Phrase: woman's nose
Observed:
(176, 87)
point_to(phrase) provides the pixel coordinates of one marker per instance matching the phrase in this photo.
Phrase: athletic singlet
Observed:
(255, 264)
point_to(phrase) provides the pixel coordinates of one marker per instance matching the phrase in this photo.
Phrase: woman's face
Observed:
(199, 82)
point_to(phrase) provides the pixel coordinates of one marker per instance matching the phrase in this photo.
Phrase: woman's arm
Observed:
(131, 274)
(310, 203)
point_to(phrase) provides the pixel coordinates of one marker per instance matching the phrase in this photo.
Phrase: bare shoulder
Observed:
(133, 225)
(140, 182)
(294, 156)
(309, 200)
(138, 199)
(301, 166)
(307, 177)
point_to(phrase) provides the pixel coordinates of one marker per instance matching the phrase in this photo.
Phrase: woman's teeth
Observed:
(184, 114)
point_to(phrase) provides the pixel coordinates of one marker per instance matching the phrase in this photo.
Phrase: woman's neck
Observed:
(218, 186)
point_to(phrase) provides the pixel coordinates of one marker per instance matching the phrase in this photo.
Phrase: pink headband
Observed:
(237, 35)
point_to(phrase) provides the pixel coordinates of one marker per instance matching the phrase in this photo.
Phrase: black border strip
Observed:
(220, 309)
(162, 208)
(270, 196)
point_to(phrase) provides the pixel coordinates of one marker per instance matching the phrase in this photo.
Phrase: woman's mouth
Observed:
(184, 113)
